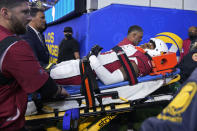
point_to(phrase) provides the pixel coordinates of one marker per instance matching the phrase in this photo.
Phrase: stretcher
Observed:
(116, 98)
(107, 101)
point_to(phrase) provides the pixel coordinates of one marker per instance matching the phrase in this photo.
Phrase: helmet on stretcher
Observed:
(173, 41)
(160, 47)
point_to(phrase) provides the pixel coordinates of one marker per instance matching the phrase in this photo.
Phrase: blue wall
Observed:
(109, 25)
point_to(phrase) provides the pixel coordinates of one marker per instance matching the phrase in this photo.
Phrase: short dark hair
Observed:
(135, 28)
(11, 3)
(35, 10)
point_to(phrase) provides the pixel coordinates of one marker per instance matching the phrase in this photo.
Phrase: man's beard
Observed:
(17, 26)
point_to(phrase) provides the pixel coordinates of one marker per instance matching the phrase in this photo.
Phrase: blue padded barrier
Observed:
(109, 25)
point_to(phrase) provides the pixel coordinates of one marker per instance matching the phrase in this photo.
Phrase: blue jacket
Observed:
(181, 113)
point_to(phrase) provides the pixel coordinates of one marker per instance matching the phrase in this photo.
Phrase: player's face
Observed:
(148, 45)
(138, 38)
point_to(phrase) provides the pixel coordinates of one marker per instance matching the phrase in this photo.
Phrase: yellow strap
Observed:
(48, 66)
(123, 99)
(178, 77)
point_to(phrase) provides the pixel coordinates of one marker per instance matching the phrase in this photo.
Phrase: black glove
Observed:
(95, 50)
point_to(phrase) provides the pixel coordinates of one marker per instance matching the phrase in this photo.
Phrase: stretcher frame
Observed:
(109, 112)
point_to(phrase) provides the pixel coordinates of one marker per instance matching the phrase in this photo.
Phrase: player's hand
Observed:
(64, 93)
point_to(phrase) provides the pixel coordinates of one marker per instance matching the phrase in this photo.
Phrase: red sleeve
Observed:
(20, 63)
(125, 41)
(186, 47)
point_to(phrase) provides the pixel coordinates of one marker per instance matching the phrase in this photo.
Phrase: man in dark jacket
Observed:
(35, 37)
(188, 64)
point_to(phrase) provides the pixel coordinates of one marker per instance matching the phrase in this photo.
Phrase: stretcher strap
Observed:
(142, 50)
(126, 65)
(88, 83)
(67, 120)
(70, 117)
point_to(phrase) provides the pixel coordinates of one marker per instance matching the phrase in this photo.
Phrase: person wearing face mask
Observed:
(134, 36)
(190, 43)
(69, 47)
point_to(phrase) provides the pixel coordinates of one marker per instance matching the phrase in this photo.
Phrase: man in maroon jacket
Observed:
(20, 72)
(189, 43)
(134, 36)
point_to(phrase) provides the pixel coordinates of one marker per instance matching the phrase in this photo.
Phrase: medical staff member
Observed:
(134, 36)
(19, 67)
(190, 43)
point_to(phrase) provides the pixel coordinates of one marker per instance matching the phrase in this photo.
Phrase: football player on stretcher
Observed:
(151, 57)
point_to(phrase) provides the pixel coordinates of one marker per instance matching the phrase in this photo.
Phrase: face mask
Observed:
(68, 36)
(192, 36)
(152, 52)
